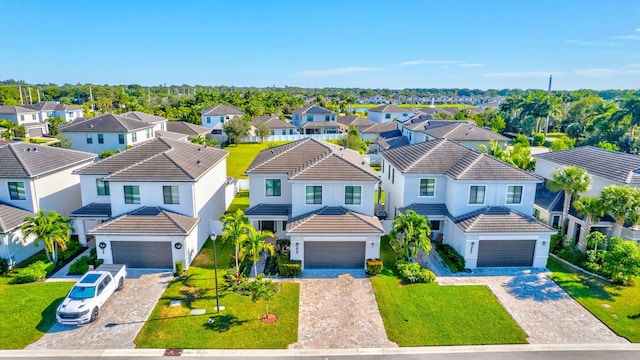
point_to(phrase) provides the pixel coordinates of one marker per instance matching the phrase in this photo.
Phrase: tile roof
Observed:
(464, 132)
(269, 210)
(11, 217)
(390, 109)
(334, 220)
(312, 109)
(444, 156)
(612, 165)
(187, 128)
(51, 105)
(107, 123)
(355, 120)
(221, 109)
(379, 128)
(26, 160)
(148, 118)
(171, 135)
(16, 110)
(311, 159)
(148, 220)
(320, 124)
(93, 210)
(393, 142)
(500, 219)
(158, 159)
(548, 200)
(427, 209)
(271, 122)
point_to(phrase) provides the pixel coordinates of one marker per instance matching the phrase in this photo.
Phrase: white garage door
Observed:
(143, 254)
(334, 254)
(502, 253)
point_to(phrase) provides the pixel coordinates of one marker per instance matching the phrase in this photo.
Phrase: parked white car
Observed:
(82, 304)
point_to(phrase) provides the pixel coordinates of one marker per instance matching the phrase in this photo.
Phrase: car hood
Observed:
(74, 305)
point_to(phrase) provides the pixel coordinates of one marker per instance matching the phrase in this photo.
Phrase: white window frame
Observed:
(276, 196)
(506, 196)
(435, 183)
(484, 198)
(321, 195)
(345, 195)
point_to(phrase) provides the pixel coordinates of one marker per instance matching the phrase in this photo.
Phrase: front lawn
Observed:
(236, 327)
(430, 314)
(241, 156)
(615, 305)
(241, 201)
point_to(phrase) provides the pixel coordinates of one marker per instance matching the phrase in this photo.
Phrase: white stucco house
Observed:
(274, 124)
(159, 123)
(33, 178)
(320, 196)
(480, 206)
(28, 118)
(153, 204)
(314, 119)
(52, 109)
(214, 117)
(386, 113)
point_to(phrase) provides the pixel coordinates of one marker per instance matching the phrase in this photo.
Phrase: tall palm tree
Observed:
(573, 181)
(235, 228)
(630, 108)
(255, 244)
(51, 228)
(591, 208)
(619, 202)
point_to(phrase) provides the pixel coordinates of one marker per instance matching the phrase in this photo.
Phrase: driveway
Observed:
(120, 318)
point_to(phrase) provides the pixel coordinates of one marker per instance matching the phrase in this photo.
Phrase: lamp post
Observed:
(215, 271)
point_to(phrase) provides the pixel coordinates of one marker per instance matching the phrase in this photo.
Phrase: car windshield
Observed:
(82, 292)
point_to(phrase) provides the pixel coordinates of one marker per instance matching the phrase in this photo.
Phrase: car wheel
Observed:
(94, 314)
(120, 284)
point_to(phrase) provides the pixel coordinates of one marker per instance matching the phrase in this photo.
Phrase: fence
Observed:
(291, 137)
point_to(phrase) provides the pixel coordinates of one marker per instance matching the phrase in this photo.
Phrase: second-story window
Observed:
(314, 195)
(514, 194)
(427, 187)
(309, 118)
(222, 119)
(387, 116)
(103, 187)
(134, 137)
(120, 138)
(327, 118)
(16, 190)
(273, 187)
(476, 194)
(170, 194)
(208, 119)
(89, 139)
(148, 133)
(353, 195)
(100, 138)
(131, 194)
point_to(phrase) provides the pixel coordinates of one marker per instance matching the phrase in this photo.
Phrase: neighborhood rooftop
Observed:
(327, 219)
(390, 109)
(107, 123)
(271, 122)
(494, 218)
(11, 217)
(51, 106)
(20, 160)
(148, 118)
(187, 128)
(312, 109)
(148, 220)
(462, 132)
(221, 109)
(15, 110)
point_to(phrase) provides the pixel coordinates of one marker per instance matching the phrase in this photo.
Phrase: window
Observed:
(89, 139)
(131, 194)
(208, 119)
(314, 194)
(103, 187)
(476, 195)
(327, 118)
(148, 133)
(170, 194)
(16, 191)
(121, 138)
(333, 118)
(309, 118)
(434, 225)
(556, 221)
(268, 225)
(404, 115)
(222, 119)
(353, 195)
(393, 176)
(536, 213)
(33, 117)
(382, 167)
(514, 194)
(389, 173)
(387, 116)
(284, 131)
(290, 131)
(273, 187)
(134, 137)
(100, 138)
(427, 187)
(21, 117)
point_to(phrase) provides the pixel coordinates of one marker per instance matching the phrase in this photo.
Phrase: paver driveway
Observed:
(120, 319)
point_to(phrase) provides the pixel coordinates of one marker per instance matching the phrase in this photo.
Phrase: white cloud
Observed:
(471, 65)
(638, 29)
(339, 71)
(411, 62)
(631, 72)
(592, 43)
(627, 37)
(595, 72)
(521, 74)
(445, 62)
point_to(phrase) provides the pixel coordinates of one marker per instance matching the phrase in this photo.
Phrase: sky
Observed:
(490, 44)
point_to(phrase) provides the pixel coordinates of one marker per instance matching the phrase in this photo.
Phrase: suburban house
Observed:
(321, 197)
(28, 118)
(188, 129)
(479, 205)
(33, 178)
(214, 117)
(52, 109)
(467, 134)
(373, 132)
(314, 119)
(605, 168)
(154, 204)
(106, 132)
(386, 113)
(159, 123)
(274, 124)
(359, 122)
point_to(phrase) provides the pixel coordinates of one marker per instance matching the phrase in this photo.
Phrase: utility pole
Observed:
(30, 98)
(91, 99)
(38, 94)
(20, 90)
(149, 94)
(546, 126)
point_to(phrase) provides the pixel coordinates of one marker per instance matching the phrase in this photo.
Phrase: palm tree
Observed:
(630, 107)
(591, 208)
(235, 229)
(415, 232)
(619, 202)
(572, 180)
(51, 228)
(255, 245)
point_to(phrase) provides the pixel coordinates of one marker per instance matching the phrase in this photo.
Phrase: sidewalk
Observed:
(63, 274)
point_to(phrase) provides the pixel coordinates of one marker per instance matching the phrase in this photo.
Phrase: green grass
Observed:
(241, 156)
(241, 201)
(593, 293)
(414, 106)
(236, 327)
(429, 314)
(375, 196)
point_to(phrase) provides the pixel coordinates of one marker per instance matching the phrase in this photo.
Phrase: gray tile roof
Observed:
(379, 128)
(171, 135)
(93, 210)
(334, 220)
(320, 124)
(390, 109)
(549, 201)
(464, 132)
(16, 110)
(51, 106)
(158, 159)
(311, 159)
(500, 219)
(612, 165)
(271, 122)
(313, 109)
(186, 128)
(148, 118)
(444, 156)
(355, 120)
(107, 123)
(148, 220)
(393, 142)
(427, 209)
(269, 210)
(12, 217)
(26, 160)
(220, 110)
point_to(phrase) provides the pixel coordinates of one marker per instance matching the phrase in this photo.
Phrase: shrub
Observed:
(454, 261)
(179, 267)
(622, 261)
(414, 273)
(556, 242)
(538, 139)
(73, 247)
(4, 265)
(374, 266)
(288, 267)
(594, 261)
(34, 272)
(572, 255)
(80, 266)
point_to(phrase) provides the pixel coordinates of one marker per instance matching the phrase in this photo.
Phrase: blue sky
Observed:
(374, 44)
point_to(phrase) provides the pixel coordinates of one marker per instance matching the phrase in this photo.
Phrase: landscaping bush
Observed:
(288, 267)
(538, 139)
(454, 261)
(374, 266)
(414, 273)
(622, 261)
(4, 265)
(34, 272)
(572, 255)
(179, 267)
(594, 261)
(73, 247)
(556, 243)
(81, 265)
(271, 267)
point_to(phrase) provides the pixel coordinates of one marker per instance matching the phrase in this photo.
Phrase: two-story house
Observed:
(33, 178)
(189, 129)
(159, 123)
(154, 204)
(386, 113)
(106, 132)
(314, 119)
(52, 109)
(467, 134)
(321, 197)
(274, 124)
(359, 122)
(23, 116)
(479, 205)
(214, 117)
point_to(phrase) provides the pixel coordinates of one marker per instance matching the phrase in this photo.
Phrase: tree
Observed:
(573, 181)
(255, 244)
(352, 141)
(54, 123)
(264, 289)
(235, 227)
(201, 140)
(236, 129)
(262, 131)
(50, 228)
(562, 143)
(591, 208)
(622, 261)
(630, 108)
(619, 201)
(415, 232)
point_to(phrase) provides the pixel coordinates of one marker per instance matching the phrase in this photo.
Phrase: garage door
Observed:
(143, 254)
(334, 254)
(506, 253)
(35, 132)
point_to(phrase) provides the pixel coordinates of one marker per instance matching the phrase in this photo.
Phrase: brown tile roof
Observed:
(355, 120)
(612, 165)
(158, 159)
(148, 221)
(335, 220)
(171, 135)
(393, 142)
(311, 159)
(380, 128)
(11, 217)
(51, 105)
(221, 109)
(107, 123)
(16, 110)
(186, 128)
(26, 160)
(271, 122)
(312, 109)
(444, 156)
(320, 124)
(391, 109)
(500, 219)
(148, 118)
(465, 132)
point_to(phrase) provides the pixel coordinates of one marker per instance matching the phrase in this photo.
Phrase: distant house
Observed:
(387, 113)
(186, 128)
(107, 132)
(359, 122)
(314, 119)
(214, 117)
(374, 132)
(52, 109)
(158, 122)
(28, 118)
(467, 134)
(33, 178)
(274, 124)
